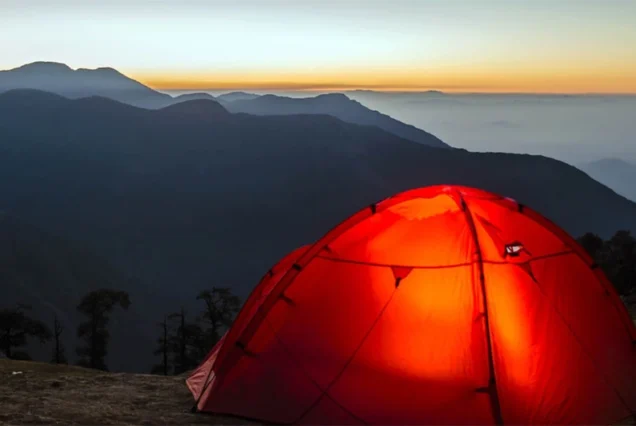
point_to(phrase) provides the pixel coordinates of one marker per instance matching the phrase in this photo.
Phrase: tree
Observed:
(16, 327)
(620, 261)
(163, 349)
(592, 243)
(97, 306)
(617, 258)
(220, 308)
(186, 342)
(59, 352)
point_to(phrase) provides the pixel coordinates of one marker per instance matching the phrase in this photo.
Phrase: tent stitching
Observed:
(455, 265)
(495, 403)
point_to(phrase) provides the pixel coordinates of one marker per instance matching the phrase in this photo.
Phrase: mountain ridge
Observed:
(616, 173)
(337, 104)
(110, 83)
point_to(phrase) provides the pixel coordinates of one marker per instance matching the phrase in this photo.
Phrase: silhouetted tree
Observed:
(59, 352)
(592, 243)
(620, 261)
(16, 327)
(617, 258)
(220, 308)
(163, 349)
(97, 306)
(186, 342)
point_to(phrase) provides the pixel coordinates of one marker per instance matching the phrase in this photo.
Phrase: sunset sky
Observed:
(564, 46)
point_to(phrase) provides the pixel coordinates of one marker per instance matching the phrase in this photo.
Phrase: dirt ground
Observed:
(50, 394)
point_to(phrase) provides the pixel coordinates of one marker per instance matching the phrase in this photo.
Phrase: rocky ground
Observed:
(39, 393)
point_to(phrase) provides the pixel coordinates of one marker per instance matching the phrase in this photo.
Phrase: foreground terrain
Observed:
(50, 394)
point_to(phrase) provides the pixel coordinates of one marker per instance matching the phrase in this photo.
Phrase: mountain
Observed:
(109, 83)
(236, 96)
(615, 173)
(193, 97)
(337, 105)
(51, 274)
(191, 196)
(62, 80)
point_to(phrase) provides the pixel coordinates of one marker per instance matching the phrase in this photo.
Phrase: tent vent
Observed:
(514, 249)
(520, 207)
(373, 208)
(270, 273)
(297, 267)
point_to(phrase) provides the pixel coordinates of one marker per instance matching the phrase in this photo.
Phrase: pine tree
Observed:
(221, 306)
(97, 306)
(15, 329)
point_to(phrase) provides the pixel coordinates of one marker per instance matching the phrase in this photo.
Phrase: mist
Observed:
(574, 129)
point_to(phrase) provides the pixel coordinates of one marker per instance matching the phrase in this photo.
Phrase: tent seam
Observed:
(495, 403)
(456, 265)
(323, 392)
(352, 356)
(582, 346)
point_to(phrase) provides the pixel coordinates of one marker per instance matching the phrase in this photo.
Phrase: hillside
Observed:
(51, 274)
(192, 196)
(334, 104)
(64, 395)
(615, 173)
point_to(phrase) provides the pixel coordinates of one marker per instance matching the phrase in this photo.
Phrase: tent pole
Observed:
(492, 383)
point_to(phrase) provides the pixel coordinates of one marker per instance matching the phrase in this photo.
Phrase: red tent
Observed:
(441, 305)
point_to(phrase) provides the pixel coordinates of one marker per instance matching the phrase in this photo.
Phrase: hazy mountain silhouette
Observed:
(62, 80)
(337, 105)
(193, 97)
(615, 173)
(51, 275)
(109, 83)
(191, 196)
(236, 96)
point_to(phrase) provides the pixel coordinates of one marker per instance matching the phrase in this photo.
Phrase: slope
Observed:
(615, 173)
(184, 200)
(51, 275)
(337, 105)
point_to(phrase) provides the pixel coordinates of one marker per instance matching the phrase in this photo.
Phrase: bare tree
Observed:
(59, 352)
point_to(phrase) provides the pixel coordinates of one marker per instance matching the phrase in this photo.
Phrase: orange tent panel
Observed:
(440, 305)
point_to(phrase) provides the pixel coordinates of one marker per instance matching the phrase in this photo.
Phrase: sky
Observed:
(536, 46)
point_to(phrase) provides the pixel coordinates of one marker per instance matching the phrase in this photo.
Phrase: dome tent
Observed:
(440, 305)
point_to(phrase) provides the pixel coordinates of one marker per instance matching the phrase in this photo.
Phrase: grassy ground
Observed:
(51, 394)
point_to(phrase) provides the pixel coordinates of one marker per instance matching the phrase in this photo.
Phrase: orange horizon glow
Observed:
(547, 82)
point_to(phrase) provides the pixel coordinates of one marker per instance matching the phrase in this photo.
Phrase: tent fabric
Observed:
(439, 305)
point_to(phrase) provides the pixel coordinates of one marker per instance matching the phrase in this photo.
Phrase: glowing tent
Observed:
(441, 305)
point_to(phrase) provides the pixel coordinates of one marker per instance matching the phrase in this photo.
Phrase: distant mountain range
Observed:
(618, 174)
(62, 80)
(337, 105)
(106, 82)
